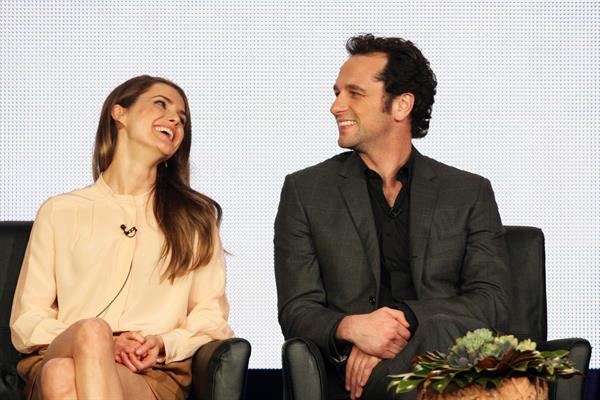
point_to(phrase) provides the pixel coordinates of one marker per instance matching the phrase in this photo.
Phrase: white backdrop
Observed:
(518, 102)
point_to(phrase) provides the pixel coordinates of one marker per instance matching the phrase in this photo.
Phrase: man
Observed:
(382, 253)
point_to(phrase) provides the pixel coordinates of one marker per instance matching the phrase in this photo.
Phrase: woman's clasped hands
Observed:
(137, 352)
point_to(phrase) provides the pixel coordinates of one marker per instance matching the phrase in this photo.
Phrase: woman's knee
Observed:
(57, 379)
(93, 334)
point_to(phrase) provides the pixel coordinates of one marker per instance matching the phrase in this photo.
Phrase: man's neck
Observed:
(387, 162)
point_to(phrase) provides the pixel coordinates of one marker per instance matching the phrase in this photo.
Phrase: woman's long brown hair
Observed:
(186, 218)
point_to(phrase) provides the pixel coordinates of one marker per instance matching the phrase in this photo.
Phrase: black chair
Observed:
(219, 368)
(304, 371)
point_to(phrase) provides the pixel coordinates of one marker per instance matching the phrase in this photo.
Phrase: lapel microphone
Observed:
(128, 232)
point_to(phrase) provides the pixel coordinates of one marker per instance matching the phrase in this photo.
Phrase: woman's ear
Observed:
(118, 113)
(402, 106)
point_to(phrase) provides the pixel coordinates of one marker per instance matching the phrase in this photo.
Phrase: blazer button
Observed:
(372, 300)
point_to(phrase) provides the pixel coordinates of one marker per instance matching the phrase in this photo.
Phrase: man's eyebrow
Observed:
(350, 86)
(168, 100)
(355, 88)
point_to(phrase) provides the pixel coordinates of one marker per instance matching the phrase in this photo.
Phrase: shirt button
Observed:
(372, 300)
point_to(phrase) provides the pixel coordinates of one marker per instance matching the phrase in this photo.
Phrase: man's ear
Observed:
(118, 113)
(402, 106)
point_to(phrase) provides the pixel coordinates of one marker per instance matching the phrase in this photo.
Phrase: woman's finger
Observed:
(137, 363)
(127, 362)
(151, 342)
(145, 348)
(149, 360)
(138, 337)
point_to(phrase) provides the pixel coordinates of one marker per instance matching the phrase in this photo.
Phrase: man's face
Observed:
(359, 106)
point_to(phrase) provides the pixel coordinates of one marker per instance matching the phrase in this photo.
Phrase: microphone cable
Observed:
(118, 293)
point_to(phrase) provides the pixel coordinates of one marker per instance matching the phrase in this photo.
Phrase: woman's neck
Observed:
(127, 177)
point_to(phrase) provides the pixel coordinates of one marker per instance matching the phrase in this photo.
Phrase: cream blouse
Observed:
(78, 258)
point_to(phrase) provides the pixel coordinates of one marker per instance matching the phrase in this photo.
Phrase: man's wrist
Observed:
(344, 329)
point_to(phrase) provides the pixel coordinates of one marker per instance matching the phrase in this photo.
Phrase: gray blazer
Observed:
(327, 262)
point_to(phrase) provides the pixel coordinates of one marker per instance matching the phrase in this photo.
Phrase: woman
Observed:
(124, 280)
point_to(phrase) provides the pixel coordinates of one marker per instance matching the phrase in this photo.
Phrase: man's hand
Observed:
(358, 370)
(382, 333)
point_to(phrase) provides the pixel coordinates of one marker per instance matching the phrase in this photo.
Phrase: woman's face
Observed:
(153, 125)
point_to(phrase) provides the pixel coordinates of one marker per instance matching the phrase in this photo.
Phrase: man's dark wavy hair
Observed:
(407, 71)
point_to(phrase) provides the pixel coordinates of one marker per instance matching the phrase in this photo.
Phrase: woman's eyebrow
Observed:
(168, 100)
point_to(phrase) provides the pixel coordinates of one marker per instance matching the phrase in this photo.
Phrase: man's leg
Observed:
(436, 333)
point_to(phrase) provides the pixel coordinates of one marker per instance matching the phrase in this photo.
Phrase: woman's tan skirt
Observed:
(167, 381)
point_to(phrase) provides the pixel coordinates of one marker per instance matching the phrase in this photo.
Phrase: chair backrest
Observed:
(528, 283)
(13, 242)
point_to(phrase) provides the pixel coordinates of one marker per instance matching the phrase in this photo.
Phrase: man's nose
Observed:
(338, 105)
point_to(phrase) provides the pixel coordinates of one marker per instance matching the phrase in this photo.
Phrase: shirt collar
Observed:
(139, 199)
(404, 174)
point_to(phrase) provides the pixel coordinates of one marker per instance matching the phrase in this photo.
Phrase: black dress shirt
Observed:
(392, 224)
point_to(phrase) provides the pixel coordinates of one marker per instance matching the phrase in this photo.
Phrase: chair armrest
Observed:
(580, 351)
(304, 374)
(219, 370)
(11, 385)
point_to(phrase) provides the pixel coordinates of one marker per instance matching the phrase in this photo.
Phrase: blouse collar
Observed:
(139, 199)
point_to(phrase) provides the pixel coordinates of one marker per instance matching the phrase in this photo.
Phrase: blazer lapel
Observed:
(354, 192)
(423, 199)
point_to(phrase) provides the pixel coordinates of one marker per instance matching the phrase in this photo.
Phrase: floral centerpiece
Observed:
(480, 362)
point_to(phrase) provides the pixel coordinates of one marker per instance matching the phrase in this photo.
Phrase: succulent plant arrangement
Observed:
(483, 359)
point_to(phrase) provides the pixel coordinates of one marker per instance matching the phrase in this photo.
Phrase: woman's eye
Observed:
(161, 103)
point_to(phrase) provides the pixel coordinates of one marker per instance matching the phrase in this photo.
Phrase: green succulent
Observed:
(481, 358)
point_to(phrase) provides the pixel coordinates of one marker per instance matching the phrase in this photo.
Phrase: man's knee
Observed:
(439, 332)
(453, 326)
(439, 320)
(57, 378)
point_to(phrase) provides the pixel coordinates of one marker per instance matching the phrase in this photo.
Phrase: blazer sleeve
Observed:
(301, 297)
(208, 310)
(483, 284)
(33, 322)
